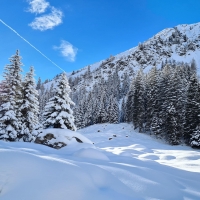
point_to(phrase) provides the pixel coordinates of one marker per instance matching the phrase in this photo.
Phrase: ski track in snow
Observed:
(129, 166)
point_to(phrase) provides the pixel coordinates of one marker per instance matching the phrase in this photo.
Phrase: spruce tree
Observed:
(151, 92)
(113, 110)
(102, 113)
(57, 113)
(170, 107)
(177, 97)
(10, 115)
(163, 98)
(79, 112)
(29, 107)
(138, 102)
(192, 118)
(171, 125)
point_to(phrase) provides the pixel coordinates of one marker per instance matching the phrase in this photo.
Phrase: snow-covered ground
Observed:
(129, 166)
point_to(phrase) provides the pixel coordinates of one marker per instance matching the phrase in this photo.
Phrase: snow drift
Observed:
(137, 167)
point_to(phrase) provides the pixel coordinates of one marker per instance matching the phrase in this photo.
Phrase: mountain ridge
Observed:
(181, 43)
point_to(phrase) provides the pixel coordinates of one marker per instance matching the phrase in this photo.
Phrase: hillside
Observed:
(128, 166)
(181, 44)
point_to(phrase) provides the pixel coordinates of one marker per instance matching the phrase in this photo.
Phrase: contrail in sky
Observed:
(31, 45)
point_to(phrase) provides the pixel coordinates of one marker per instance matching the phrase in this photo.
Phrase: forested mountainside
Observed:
(102, 91)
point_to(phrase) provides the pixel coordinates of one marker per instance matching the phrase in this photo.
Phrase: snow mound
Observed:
(58, 138)
(91, 154)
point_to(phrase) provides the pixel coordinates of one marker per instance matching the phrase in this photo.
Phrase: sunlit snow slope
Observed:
(178, 44)
(129, 166)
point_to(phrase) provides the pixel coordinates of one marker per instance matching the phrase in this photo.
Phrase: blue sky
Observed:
(76, 33)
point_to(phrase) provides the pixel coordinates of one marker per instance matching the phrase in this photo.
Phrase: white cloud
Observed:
(38, 6)
(47, 21)
(67, 50)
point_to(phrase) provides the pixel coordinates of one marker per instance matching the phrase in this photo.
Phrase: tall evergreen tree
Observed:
(138, 102)
(10, 115)
(29, 107)
(163, 97)
(57, 113)
(129, 103)
(171, 105)
(113, 110)
(171, 125)
(192, 117)
(178, 97)
(102, 112)
(151, 92)
(79, 113)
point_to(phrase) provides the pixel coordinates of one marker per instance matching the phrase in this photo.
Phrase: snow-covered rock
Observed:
(58, 138)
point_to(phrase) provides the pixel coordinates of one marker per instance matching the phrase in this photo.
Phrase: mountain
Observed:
(179, 44)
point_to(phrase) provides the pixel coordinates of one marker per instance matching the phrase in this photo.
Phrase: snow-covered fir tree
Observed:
(170, 108)
(102, 113)
(138, 102)
(29, 107)
(79, 113)
(192, 114)
(151, 93)
(57, 113)
(171, 128)
(113, 110)
(11, 96)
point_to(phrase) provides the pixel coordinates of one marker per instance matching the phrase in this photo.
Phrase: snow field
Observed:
(133, 167)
